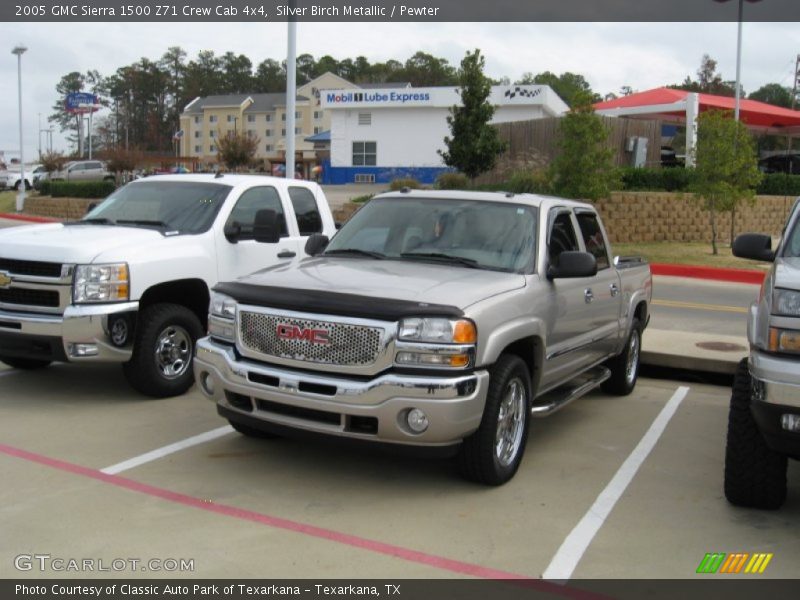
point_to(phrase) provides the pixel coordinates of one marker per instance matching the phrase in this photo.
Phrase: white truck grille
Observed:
(309, 340)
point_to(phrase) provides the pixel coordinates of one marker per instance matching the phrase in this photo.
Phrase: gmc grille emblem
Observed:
(293, 332)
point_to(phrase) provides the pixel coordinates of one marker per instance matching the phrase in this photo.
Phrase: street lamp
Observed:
(738, 55)
(91, 108)
(19, 50)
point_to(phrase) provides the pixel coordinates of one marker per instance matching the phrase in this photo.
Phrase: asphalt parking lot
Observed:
(590, 500)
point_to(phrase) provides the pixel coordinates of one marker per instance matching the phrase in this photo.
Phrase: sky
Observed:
(608, 55)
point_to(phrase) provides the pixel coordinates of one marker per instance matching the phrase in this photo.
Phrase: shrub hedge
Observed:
(77, 189)
(452, 181)
(404, 182)
(679, 179)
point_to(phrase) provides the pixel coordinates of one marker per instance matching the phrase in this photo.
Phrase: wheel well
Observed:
(191, 293)
(641, 313)
(531, 351)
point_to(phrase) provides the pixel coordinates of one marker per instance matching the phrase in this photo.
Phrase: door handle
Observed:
(614, 289)
(588, 296)
(286, 254)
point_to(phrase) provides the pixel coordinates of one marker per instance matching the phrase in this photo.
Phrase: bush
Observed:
(83, 189)
(779, 184)
(452, 181)
(675, 179)
(529, 182)
(404, 182)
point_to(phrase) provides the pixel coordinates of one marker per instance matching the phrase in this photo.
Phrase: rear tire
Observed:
(755, 475)
(24, 363)
(625, 366)
(493, 453)
(161, 365)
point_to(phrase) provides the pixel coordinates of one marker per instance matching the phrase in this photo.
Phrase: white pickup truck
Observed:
(130, 282)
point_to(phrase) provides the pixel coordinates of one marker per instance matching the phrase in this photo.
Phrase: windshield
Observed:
(467, 233)
(183, 206)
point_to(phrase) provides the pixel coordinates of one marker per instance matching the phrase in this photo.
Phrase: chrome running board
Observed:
(560, 397)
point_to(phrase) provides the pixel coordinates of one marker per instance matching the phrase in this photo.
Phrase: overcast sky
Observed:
(609, 55)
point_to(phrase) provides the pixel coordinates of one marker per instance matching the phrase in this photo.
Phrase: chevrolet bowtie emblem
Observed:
(5, 279)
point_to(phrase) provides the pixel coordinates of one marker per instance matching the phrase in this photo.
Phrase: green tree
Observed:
(236, 149)
(726, 166)
(74, 82)
(572, 88)
(584, 167)
(773, 93)
(474, 145)
(424, 69)
(708, 80)
(270, 77)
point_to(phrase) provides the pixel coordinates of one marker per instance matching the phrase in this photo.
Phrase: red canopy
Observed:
(656, 103)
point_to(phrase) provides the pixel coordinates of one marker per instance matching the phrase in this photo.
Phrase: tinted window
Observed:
(593, 238)
(562, 237)
(305, 209)
(253, 200)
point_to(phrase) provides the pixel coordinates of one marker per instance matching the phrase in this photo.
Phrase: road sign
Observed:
(74, 100)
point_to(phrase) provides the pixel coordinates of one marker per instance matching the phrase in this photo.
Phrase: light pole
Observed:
(737, 100)
(19, 50)
(91, 108)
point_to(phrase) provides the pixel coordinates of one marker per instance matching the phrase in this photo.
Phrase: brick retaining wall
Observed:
(58, 208)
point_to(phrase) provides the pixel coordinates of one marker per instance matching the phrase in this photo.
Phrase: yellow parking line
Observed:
(695, 305)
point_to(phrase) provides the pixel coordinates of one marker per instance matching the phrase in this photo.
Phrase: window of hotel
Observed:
(212, 148)
(268, 133)
(317, 114)
(212, 119)
(365, 154)
(317, 130)
(198, 134)
(298, 130)
(197, 120)
(283, 132)
(251, 118)
(198, 149)
(269, 118)
(231, 118)
(269, 148)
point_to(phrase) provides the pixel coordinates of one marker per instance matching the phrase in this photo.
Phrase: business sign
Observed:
(80, 102)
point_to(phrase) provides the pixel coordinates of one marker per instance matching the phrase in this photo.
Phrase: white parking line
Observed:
(165, 450)
(571, 551)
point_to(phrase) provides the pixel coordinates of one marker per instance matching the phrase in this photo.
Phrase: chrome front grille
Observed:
(35, 286)
(309, 340)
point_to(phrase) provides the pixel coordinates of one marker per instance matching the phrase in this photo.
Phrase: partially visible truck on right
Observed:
(764, 417)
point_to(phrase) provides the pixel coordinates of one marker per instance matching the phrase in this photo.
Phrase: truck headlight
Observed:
(786, 303)
(437, 330)
(222, 317)
(101, 283)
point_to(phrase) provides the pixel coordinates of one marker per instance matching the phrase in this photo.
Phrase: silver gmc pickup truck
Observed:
(441, 320)
(764, 417)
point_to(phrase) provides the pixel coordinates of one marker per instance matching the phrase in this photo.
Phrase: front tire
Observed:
(755, 475)
(625, 366)
(493, 453)
(161, 365)
(24, 363)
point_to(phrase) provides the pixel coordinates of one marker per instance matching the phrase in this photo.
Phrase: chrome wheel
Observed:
(632, 365)
(173, 352)
(510, 422)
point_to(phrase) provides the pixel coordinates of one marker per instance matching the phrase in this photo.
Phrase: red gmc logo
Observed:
(293, 332)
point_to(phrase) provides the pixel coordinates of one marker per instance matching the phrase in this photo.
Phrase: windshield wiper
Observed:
(356, 252)
(144, 222)
(467, 262)
(96, 221)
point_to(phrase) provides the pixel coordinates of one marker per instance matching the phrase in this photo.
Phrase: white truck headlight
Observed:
(222, 317)
(786, 303)
(101, 283)
(437, 330)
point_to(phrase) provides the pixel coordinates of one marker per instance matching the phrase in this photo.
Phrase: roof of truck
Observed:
(530, 199)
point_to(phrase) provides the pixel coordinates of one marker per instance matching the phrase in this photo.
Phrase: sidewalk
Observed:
(705, 352)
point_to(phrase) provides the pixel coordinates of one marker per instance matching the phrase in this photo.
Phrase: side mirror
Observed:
(754, 246)
(232, 231)
(266, 228)
(316, 243)
(573, 265)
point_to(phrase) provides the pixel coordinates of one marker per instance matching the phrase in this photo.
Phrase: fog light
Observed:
(790, 422)
(207, 383)
(84, 350)
(417, 420)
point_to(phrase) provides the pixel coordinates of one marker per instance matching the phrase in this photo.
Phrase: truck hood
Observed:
(416, 281)
(55, 242)
(787, 273)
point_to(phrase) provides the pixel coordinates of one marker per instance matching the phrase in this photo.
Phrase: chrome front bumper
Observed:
(332, 405)
(779, 378)
(79, 325)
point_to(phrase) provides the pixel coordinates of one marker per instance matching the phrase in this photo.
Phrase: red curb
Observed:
(30, 218)
(713, 273)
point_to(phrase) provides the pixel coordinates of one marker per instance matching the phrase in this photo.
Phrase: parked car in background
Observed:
(781, 163)
(11, 179)
(83, 170)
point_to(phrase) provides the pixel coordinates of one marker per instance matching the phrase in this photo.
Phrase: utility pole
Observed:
(794, 93)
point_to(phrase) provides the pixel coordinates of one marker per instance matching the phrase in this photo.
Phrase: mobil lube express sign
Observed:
(385, 97)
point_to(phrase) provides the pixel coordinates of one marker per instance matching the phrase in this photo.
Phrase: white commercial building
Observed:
(379, 135)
